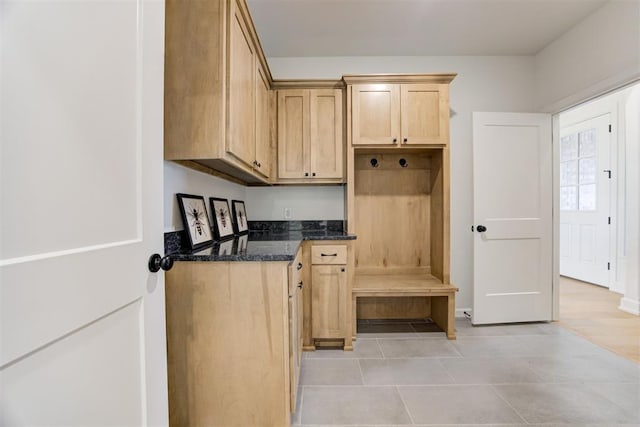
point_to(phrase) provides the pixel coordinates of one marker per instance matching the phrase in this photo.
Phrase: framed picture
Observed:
(195, 220)
(240, 217)
(222, 220)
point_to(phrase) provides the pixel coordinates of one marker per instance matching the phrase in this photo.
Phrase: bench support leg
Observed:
(443, 312)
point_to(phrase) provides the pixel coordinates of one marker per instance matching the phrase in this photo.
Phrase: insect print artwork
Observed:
(196, 216)
(222, 220)
(240, 214)
(195, 220)
(223, 217)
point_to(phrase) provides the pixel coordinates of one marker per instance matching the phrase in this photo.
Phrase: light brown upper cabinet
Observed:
(216, 89)
(241, 94)
(262, 162)
(400, 114)
(310, 135)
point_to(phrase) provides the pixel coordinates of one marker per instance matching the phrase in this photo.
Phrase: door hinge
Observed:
(609, 220)
(609, 128)
(608, 266)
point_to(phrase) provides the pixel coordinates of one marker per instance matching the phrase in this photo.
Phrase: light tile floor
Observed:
(506, 375)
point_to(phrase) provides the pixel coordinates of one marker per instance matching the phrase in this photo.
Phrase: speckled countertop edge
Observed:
(263, 245)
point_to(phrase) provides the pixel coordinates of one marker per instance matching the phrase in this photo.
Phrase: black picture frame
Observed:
(195, 220)
(239, 217)
(222, 218)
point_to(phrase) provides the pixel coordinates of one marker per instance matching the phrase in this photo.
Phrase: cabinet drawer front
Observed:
(329, 254)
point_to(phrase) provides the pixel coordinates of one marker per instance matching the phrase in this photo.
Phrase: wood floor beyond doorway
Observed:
(592, 312)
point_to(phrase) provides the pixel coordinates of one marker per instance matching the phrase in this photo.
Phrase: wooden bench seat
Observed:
(442, 296)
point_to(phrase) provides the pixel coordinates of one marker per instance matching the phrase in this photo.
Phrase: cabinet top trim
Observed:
(398, 78)
(244, 10)
(307, 84)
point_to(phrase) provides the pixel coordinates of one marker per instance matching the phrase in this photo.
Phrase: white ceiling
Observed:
(291, 28)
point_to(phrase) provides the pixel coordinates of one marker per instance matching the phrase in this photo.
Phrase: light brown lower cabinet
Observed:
(331, 267)
(233, 343)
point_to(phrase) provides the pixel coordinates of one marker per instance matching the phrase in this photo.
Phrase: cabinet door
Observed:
(329, 300)
(425, 113)
(294, 350)
(293, 133)
(263, 146)
(375, 114)
(295, 326)
(241, 90)
(300, 318)
(325, 123)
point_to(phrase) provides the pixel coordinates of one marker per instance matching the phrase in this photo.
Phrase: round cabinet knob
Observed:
(306, 174)
(404, 140)
(481, 228)
(157, 262)
(395, 140)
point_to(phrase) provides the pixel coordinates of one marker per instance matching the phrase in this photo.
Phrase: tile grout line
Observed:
(361, 372)
(406, 408)
(453, 380)
(381, 349)
(508, 404)
(301, 402)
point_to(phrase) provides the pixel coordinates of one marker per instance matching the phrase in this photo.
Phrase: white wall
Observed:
(482, 84)
(599, 54)
(321, 202)
(179, 179)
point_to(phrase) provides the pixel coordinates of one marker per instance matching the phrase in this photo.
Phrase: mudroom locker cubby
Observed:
(398, 197)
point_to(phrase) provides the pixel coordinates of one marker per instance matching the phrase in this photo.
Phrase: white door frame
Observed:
(590, 107)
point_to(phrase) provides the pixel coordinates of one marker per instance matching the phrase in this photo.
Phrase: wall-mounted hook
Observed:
(403, 162)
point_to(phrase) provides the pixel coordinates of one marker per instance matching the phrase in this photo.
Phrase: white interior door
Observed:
(585, 204)
(82, 327)
(512, 184)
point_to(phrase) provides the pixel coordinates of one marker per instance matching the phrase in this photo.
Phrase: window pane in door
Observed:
(568, 198)
(569, 173)
(587, 170)
(569, 147)
(587, 197)
(587, 143)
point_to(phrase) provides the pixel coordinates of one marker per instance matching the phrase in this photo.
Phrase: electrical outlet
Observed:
(287, 213)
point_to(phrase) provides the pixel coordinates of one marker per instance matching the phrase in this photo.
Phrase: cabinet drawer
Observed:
(329, 254)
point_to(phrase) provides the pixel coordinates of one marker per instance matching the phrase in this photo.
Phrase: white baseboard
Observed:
(460, 312)
(630, 305)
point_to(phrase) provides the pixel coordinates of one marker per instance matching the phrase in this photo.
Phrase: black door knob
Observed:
(481, 228)
(157, 262)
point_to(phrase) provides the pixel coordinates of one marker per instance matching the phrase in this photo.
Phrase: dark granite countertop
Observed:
(260, 246)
